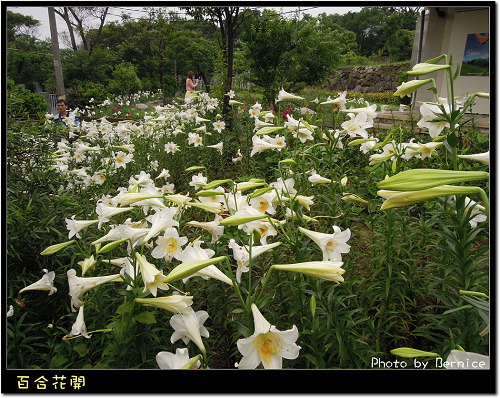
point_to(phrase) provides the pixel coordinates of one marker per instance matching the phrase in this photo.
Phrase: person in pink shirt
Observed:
(190, 84)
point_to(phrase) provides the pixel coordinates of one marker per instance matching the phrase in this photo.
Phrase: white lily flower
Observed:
(431, 118)
(10, 312)
(75, 226)
(171, 147)
(332, 245)
(267, 345)
(283, 95)
(466, 360)
(195, 252)
(284, 187)
(78, 286)
(160, 221)
(357, 125)
(198, 181)
(142, 178)
(260, 145)
(189, 326)
(219, 125)
(263, 226)
(169, 245)
(242, 255)
(194, 139)
(338, 103)
(167, 360)
(217, 146)
(480, 157)
(368, 145)
(45, 283)
(104, 212)
(427, 149)
(152, 277)
(79, 327)
(213, 227)
(164, 174)
(371, 112)
(176, 303)
(315, 178)
(121, 159)
(303, 134)
(264, 202)
(87, 263)
(477, 212)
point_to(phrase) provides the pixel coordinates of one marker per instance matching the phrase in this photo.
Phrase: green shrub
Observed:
(125, 80)
(94, 92)
(24, 101)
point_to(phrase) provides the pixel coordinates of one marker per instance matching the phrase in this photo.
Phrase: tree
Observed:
(125, 80)
(28, 59)
(265, 42)
(193, 52)
(76, 19)
(144, 43)
(226, 21)
(317, 50)
(20, 25)
(281, 51)
(374, 26)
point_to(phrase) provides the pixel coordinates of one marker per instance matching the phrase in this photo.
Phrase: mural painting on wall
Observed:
(476, 55)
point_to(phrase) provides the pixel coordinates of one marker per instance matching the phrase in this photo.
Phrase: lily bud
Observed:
(129, 198)
(194, 168)
(189, 268)
(260, 192)
(243, 186)
(418, 179)
(55, 248)
(408, 88)
(289, 162)
(354, 198)
(176, 303)
(268, 130)
(241, 219)
(425, 68)
(212, 207)
(406, 352)
(406, 198)
(110, 246)
(215, 184)
(328, 270)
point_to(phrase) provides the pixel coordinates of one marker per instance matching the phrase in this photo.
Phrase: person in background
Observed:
(64, 115)
(190, 84)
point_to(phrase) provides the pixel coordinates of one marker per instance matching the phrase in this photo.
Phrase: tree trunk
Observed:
(64, 15)
(205, 81)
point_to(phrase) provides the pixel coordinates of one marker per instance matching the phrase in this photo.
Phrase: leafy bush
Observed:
(24, 101)
(125, 80)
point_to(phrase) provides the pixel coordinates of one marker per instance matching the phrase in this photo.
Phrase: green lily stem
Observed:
(235, 283)
(264, 282)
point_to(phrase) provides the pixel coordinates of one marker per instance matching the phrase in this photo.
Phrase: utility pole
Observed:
(61, 93)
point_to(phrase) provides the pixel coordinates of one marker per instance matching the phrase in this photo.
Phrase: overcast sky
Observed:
(136, 11)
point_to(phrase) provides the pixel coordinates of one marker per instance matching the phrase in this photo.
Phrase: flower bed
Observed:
(262, 240)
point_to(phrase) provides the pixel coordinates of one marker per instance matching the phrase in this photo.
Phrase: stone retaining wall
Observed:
(366, 79)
